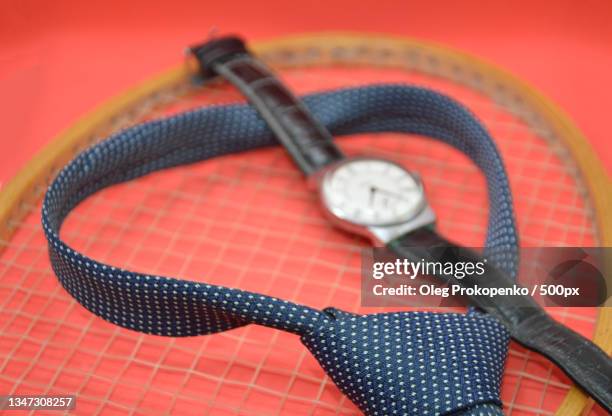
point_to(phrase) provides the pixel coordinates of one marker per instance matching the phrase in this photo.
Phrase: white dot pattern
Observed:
(434, 363)
(413, 363)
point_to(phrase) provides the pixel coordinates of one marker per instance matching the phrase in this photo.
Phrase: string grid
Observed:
(250, 221)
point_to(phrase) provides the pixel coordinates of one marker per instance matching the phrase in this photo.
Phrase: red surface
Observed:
(193, 222)
(61, 59)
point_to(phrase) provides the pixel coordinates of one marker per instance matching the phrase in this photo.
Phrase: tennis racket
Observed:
(249, 221)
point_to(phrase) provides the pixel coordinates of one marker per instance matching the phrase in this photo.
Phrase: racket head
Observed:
(249, 221)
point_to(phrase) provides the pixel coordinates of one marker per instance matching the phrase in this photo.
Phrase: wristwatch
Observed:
(375, 197)
(382, 200)
(370, 196)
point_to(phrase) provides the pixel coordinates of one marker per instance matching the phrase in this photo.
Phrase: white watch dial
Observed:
(372, 192)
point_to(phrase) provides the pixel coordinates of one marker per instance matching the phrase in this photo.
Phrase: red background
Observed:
(60, 59)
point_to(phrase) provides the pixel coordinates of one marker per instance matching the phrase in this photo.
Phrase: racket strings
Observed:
(262, 231)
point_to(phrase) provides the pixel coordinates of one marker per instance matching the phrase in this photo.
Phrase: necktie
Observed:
(406, 363)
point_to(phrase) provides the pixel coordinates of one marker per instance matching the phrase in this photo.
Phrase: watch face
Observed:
(372, 192)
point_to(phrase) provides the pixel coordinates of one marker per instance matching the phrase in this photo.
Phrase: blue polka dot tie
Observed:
(413, 363)
(408, 363)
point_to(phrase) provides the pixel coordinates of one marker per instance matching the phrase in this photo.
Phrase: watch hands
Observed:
(374, 189)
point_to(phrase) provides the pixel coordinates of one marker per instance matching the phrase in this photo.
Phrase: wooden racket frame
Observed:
(29, 184)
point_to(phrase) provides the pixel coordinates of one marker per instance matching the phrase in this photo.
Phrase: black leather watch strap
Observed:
(584, 362)
(309, 144)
